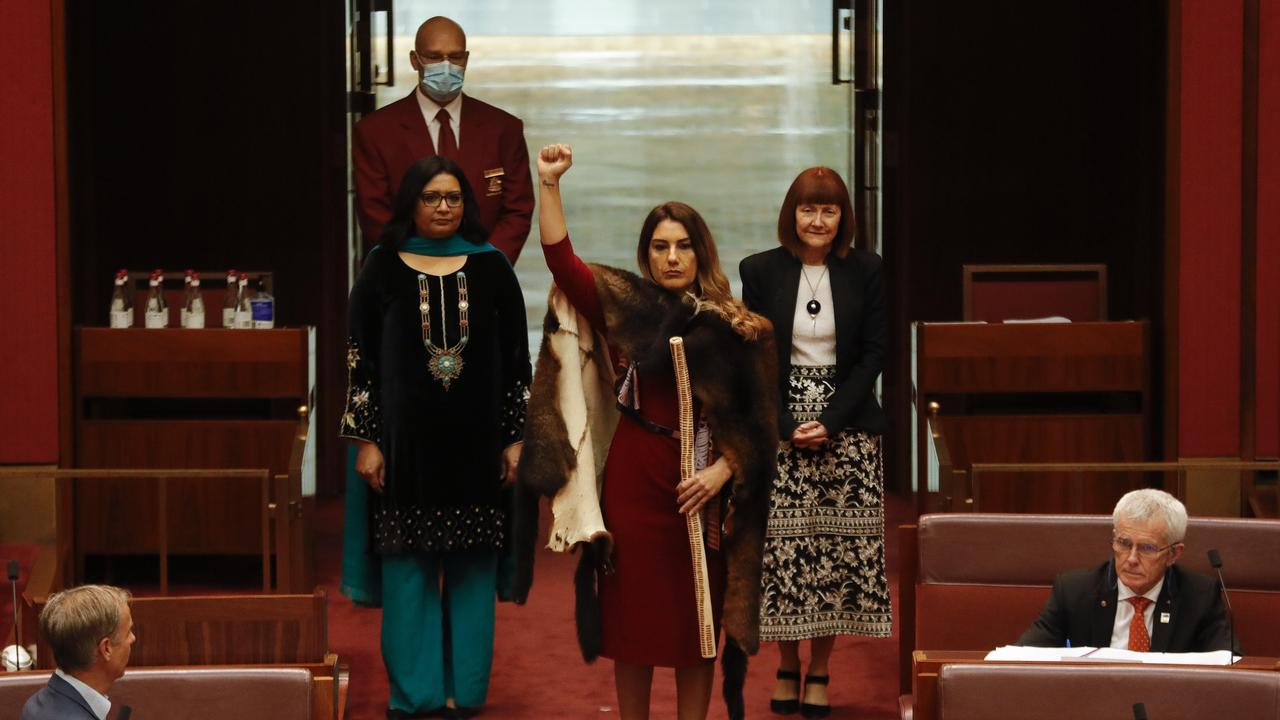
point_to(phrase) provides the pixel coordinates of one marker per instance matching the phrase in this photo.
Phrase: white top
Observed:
(97, 701)
(813, 338)
(1124, 613)
(430, 108)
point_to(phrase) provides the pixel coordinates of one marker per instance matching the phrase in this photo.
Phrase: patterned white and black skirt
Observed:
(824, 555)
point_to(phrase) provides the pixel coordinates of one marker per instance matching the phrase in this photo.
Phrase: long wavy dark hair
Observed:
(401, 226)
(711, 289)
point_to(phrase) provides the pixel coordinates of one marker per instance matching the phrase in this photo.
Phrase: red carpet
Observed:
(539, 674)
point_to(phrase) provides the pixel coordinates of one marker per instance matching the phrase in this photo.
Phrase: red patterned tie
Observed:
(448, 144)
(1139, 640)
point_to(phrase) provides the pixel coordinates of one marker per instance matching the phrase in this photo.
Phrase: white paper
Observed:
(1050, 319)
(1021, 653)
(1109, 654)
(1119, 655)
(1216, 657)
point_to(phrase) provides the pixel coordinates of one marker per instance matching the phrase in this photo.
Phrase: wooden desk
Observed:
(926, 664)
(175, 398)
(1069, 392)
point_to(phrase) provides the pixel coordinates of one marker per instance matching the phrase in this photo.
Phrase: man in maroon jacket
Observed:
(437, 119)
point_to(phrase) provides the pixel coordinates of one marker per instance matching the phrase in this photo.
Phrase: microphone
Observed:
(1139, 711)
(13, 582)
(126, 711)
(1216, 561)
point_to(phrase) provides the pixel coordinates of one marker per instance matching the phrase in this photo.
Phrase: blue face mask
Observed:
(442, 80)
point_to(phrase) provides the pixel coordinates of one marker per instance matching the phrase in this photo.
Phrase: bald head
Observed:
(439, 29)
(440, 46)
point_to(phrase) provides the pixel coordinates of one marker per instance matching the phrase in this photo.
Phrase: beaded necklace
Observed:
(445, 362)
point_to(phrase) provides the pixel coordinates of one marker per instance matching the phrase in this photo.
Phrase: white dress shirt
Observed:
(97, 701)
(430, 108)
(1124, 613)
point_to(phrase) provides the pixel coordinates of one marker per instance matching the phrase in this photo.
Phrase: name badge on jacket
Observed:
(494, 177)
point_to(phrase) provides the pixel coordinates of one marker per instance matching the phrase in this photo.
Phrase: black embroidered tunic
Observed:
(442, 447)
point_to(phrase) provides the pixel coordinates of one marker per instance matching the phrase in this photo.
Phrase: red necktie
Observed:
(447, 144)
(1139, 640)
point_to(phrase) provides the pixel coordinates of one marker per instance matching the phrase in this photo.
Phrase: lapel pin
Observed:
(1164, 618)
(1104, 603)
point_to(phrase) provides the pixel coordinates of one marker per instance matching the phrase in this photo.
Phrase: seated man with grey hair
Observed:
(90, 630)
(1138, 600)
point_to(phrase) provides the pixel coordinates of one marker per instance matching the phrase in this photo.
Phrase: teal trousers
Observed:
(437, 627)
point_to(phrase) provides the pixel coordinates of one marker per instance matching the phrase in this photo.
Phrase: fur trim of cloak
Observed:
(734, 380)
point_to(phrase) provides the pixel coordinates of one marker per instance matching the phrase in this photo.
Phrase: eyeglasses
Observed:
(432, 199)
(428, 58)
(1146, 551)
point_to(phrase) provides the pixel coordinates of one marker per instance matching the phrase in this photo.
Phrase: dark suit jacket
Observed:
(1082, 609)
(770, 281)
(57, 701)
(492, 154)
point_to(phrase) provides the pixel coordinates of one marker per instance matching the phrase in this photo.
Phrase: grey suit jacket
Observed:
(57, 701)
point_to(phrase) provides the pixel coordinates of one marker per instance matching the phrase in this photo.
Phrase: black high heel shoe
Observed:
(809, 710)
(787, 707)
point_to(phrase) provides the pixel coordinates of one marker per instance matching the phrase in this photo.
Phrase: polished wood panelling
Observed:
(162, 389)
(229, 630)
(1047, 438)
(223, 630)
(219, 516)
(1075, 357)
(1064, 392)
(173, 362)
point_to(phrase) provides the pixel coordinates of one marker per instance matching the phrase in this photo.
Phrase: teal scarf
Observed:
(447, 247)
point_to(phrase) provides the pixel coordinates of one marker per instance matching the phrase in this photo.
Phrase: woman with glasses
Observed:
(824, 569)
(438, 371)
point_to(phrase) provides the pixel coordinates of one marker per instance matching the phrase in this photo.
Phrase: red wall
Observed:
(28, 320)
(1267, 398)
(1209, 229)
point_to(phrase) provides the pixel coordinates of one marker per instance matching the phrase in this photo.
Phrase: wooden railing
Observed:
(161, 478)
(945, 482)
(971, 483)
(293, 551)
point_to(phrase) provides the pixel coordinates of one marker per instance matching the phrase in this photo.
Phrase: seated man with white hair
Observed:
(90, 630)
(1139, 599)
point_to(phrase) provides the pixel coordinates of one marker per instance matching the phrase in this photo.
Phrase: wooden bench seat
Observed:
(243, 693)
(976, 581)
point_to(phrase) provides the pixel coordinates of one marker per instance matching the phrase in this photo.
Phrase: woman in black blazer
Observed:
(824, 556)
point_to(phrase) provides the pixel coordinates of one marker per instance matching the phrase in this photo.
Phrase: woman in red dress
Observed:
(647, 603)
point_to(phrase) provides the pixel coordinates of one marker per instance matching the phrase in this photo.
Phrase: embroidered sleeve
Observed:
(516, 371)
(515, 405)
(362, 417)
